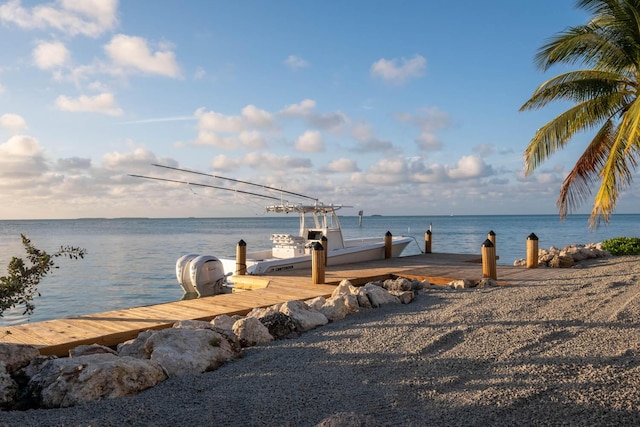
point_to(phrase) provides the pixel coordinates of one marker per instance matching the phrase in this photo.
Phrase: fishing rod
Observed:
(237, 180)
(206, 185)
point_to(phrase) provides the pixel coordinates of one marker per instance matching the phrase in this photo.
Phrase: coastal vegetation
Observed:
(604, 95)
(622, 245)
(20, 284)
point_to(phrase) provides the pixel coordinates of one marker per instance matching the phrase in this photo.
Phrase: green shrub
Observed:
(622, 245)
(20, 284)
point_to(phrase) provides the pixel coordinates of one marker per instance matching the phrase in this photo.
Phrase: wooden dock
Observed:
(58, 336)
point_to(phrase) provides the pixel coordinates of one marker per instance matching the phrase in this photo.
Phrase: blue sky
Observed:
(393, 107)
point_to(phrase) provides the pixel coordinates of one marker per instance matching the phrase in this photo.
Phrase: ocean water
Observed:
(131, 262)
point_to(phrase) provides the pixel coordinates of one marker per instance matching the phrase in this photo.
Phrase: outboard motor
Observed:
(201, 274)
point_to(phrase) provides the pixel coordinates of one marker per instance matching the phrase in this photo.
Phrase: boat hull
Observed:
(356, 250)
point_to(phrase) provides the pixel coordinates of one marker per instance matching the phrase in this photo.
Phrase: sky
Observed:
(391, 107)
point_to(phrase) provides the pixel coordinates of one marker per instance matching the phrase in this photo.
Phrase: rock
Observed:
(349, 419)
(250, 331)
(8, 388)
(259, 312)
(72, 381)
(335, 308)
(379, 296)
(405, 297)
(85, 350)
(363, 298)
(398, 284)
(17, 356)
(487, 283)
(189, 351)
(344, 288)
(224, 322)
(194, 324)
(135, 347)
(304, 317)
(351, 302)
(461, 284)
(560, 261)
(279, 325)
(316, 303)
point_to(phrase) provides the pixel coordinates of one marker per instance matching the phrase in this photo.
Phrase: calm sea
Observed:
(131, 262)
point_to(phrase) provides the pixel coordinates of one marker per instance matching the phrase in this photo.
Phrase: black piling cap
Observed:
(242, 243)
(324, 239)
(491, 233)
(388, 233)
(532, 237)
(487, 244)
(317, 246)
(428, 231)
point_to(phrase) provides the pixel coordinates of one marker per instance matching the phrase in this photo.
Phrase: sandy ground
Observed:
(555, 352)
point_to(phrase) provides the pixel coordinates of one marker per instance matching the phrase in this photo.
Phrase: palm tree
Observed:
(605, 98)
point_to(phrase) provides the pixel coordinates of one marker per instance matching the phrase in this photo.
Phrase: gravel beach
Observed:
(556, 352)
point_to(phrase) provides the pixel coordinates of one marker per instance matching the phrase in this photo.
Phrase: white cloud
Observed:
(13, 122)
(90, 18)
(271, 161)
(392, 71)
(222, 162)
(21, 156)
(429, 120)
(310, 142)
(133, 53)
(49, 55)
(295, 62)
(342, 166)
(103, 103)
(469, 167)
(303, 109)
(2, 88)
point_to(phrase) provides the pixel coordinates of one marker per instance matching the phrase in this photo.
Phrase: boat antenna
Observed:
(205, 185)
(236, 180)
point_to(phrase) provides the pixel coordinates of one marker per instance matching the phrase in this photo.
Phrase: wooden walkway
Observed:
(58, 336)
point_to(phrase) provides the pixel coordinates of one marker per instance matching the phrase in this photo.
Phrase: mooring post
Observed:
(532, 251)
(317, 264)
(489, 268)
(492, 236)
(427, 242)
(241, 258)
(388, 238)
(325, 244)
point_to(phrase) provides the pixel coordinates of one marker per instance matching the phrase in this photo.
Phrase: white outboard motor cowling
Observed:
(201, 274)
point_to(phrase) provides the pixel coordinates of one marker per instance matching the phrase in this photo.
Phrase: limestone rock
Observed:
(487, 283)
(398, 284)
(264, 311)
(189, 351)
(316, 303)
(335, 308)
(379, 296)
(351, 302)
(224, 322)
(279, 325)
(16, 356)
(304, 317)
(72, 381)
(363, 298)
(8, 388)
(561, 261)
(135, 347)
(405, 297)
(194, 324)
(344, 288)
(461, 284)
(250, 331)
(85, 350)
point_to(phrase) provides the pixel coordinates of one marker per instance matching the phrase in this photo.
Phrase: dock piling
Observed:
(489, 268)
(388, 238)
(317, 264)
(325, 243)
(532, 251)
(241, 258)
(427, 242)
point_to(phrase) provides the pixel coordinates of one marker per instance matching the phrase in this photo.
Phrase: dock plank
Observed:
(110, 328)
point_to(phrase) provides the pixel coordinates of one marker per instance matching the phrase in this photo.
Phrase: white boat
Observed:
(207, 275)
